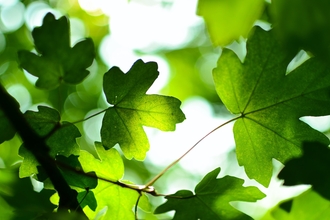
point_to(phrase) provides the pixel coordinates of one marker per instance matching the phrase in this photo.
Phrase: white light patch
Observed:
(31, 78)
(37, 186)
(22, 95)
(164, 73)
(12, 17)
(114, 53)
(321, 123)
(92, 126)
(90, 6)
(299, 59)
(168, 146)
(8, 2)
(35, 13)
(150, 26)
(77, 30)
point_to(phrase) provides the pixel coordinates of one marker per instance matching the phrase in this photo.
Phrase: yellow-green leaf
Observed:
(227, 20)
(116, 202)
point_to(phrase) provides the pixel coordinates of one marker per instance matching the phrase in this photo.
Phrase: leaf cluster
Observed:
(265, 98)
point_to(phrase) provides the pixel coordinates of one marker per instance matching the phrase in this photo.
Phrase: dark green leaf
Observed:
(211, 199)
(43, 121)
(270, 103)
(133, 109)
(73, 173)
(61, 141)
(87, 198)
(311, 168)
(58, 62)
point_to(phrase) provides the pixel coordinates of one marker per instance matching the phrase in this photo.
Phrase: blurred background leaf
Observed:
(303, 24)
(228, 20)
(307, 206)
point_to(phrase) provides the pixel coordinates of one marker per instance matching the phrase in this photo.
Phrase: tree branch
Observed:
(37, 146)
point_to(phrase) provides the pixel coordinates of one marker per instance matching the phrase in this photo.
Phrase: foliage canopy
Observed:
(266, 100)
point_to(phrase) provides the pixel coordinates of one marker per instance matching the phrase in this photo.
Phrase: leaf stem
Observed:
(152, 181)
(89, 117)
(136, 206)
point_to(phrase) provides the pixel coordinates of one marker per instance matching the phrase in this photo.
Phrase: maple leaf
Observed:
(62, 141)
(58, 62)
(118, 201)
(211, 199)
(133, 108)
(313, 164)
(270, 103)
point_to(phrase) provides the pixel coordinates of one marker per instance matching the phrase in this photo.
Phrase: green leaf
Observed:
(313, 167)
(61, 141)
(58, 62)
(87, 198)
(227, 20)
(270, 103)
(71, 170)
(307, 206)
(133, 108)
(118, 201)
(211, 199)
(43, 121)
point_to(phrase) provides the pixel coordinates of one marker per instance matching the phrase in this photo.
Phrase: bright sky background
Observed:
(147, 26)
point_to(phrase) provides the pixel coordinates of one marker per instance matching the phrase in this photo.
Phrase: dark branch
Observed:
(37, 146)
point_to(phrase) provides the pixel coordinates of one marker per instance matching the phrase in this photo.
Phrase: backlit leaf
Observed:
(117, 201)
(58, 62)
(211, 199)
(270, 103)
(133, 108)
